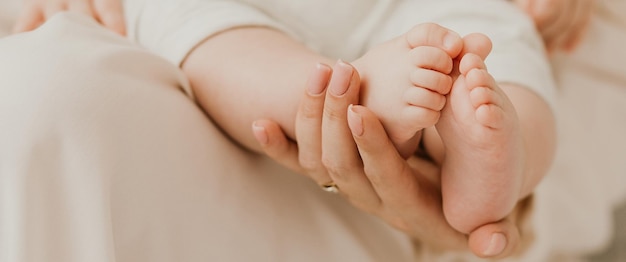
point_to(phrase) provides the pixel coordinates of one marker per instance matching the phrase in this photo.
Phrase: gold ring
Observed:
(330, 187)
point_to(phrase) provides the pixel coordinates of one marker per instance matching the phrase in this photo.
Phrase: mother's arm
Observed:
(347, 145)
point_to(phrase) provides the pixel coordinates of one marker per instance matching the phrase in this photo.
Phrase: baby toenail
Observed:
(449, 41)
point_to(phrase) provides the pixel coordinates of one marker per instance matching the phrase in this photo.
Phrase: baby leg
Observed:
(405, 80)
(482, 169)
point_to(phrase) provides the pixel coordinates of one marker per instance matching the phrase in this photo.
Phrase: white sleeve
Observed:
(172, 28)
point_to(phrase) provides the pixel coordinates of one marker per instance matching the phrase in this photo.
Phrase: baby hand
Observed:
(562, 23)
(109, 13)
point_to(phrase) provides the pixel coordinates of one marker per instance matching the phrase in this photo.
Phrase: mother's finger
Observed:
(305, 156)
(496, 240)
(30, 18)
(308, 127)
(339, 153)
(579, 27)
(276, 145)
(406, 195)
(111, 14)
(83, 7)
(383, 164)
(54, 7)
(503, 238)
(388, 172)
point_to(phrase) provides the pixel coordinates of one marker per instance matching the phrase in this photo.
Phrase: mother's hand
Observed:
(348, 146)
(109, 13)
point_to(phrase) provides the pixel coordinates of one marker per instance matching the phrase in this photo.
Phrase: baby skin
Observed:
(412, 83)
(405, 81)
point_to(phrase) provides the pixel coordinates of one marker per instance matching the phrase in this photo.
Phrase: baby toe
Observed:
(431, 80)
(430, 34)
(471, 61)
(482, 96)
(478, 44)
(415, 118)
(421, 97)
(480, 77)
(491, 115)
(428, 57)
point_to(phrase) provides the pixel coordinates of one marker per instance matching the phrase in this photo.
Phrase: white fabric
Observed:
(336, 28)
(128, 169)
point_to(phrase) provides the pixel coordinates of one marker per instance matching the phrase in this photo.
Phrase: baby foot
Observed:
(405, 80)
(482, 168)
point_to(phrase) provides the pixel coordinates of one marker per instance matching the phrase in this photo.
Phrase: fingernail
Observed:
(449, 41)
(318, 82)
(355, 122)
(497, 244)
(341, 78)
(260, 133)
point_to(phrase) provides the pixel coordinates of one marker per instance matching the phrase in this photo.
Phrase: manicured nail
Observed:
(497, 244)
(317, 83)
(355, 122)
(342, 76)
(260, 134)
(449, 41)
